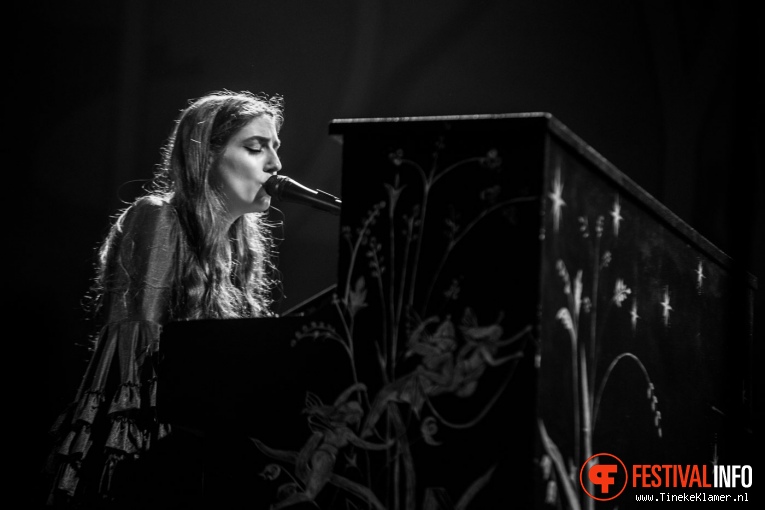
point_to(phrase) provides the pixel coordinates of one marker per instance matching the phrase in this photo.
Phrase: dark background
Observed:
(670, 92)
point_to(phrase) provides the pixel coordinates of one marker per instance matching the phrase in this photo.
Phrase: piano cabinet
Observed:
(508, 304)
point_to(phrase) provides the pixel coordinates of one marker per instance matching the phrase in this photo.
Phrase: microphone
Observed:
(284, 189)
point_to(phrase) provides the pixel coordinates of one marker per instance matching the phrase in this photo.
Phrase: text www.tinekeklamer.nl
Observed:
(701, 497)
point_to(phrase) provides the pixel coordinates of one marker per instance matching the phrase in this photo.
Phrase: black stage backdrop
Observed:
(669, 92)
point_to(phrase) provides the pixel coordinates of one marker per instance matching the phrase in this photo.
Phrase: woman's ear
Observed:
(212, 161)
(213, 178)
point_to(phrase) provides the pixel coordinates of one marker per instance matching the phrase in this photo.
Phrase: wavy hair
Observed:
(223, 271)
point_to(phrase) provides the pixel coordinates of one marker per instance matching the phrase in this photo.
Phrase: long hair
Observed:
(223, 271)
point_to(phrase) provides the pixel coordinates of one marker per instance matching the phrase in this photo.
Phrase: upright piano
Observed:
(508, 305)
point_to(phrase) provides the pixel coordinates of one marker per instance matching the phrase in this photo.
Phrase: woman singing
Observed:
(195, 247)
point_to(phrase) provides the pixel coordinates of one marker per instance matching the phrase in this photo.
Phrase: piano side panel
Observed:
(651, 315)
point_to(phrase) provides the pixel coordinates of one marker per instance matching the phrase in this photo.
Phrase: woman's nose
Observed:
(274, 164)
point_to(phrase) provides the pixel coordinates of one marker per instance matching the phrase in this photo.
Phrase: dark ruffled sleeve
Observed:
(113, 418)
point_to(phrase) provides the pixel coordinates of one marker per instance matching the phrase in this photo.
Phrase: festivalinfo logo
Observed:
(604, 477)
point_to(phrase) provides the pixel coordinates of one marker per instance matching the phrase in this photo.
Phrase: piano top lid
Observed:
(336, 126)
(340, 127)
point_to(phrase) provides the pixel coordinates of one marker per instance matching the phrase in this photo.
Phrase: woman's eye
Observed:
(254, 150)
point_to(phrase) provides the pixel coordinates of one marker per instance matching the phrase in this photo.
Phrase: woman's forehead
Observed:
(261, 128)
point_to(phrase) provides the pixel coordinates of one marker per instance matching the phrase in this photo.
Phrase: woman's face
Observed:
(247, 161)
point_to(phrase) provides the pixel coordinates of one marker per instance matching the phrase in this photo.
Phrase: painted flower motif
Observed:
(357, 297)
(586, 304)
(312, 331)
(546, 464)
(452, 227)
(396, 157)
(394, 192)
(584, 226)
(616, 215)
(560, 266)
(375, 260)
(578, 292)
(556, 196)
(453, 291)
(621, 291)
(490, 194)
(492, 160)
(651, 395)
(605, 259)
(551, 492)
(699, 277)
(564, 316)
(271, 472)
(429, 428)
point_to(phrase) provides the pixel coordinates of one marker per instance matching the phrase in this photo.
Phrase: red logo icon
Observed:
(605, 473)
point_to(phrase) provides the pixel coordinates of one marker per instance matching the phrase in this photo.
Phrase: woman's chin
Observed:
(261, 204)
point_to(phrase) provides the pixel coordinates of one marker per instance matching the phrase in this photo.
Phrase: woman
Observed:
(195, 247)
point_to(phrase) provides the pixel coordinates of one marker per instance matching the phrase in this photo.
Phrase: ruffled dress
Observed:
(113, 420)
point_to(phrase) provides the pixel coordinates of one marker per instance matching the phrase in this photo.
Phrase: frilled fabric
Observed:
(113, 418)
